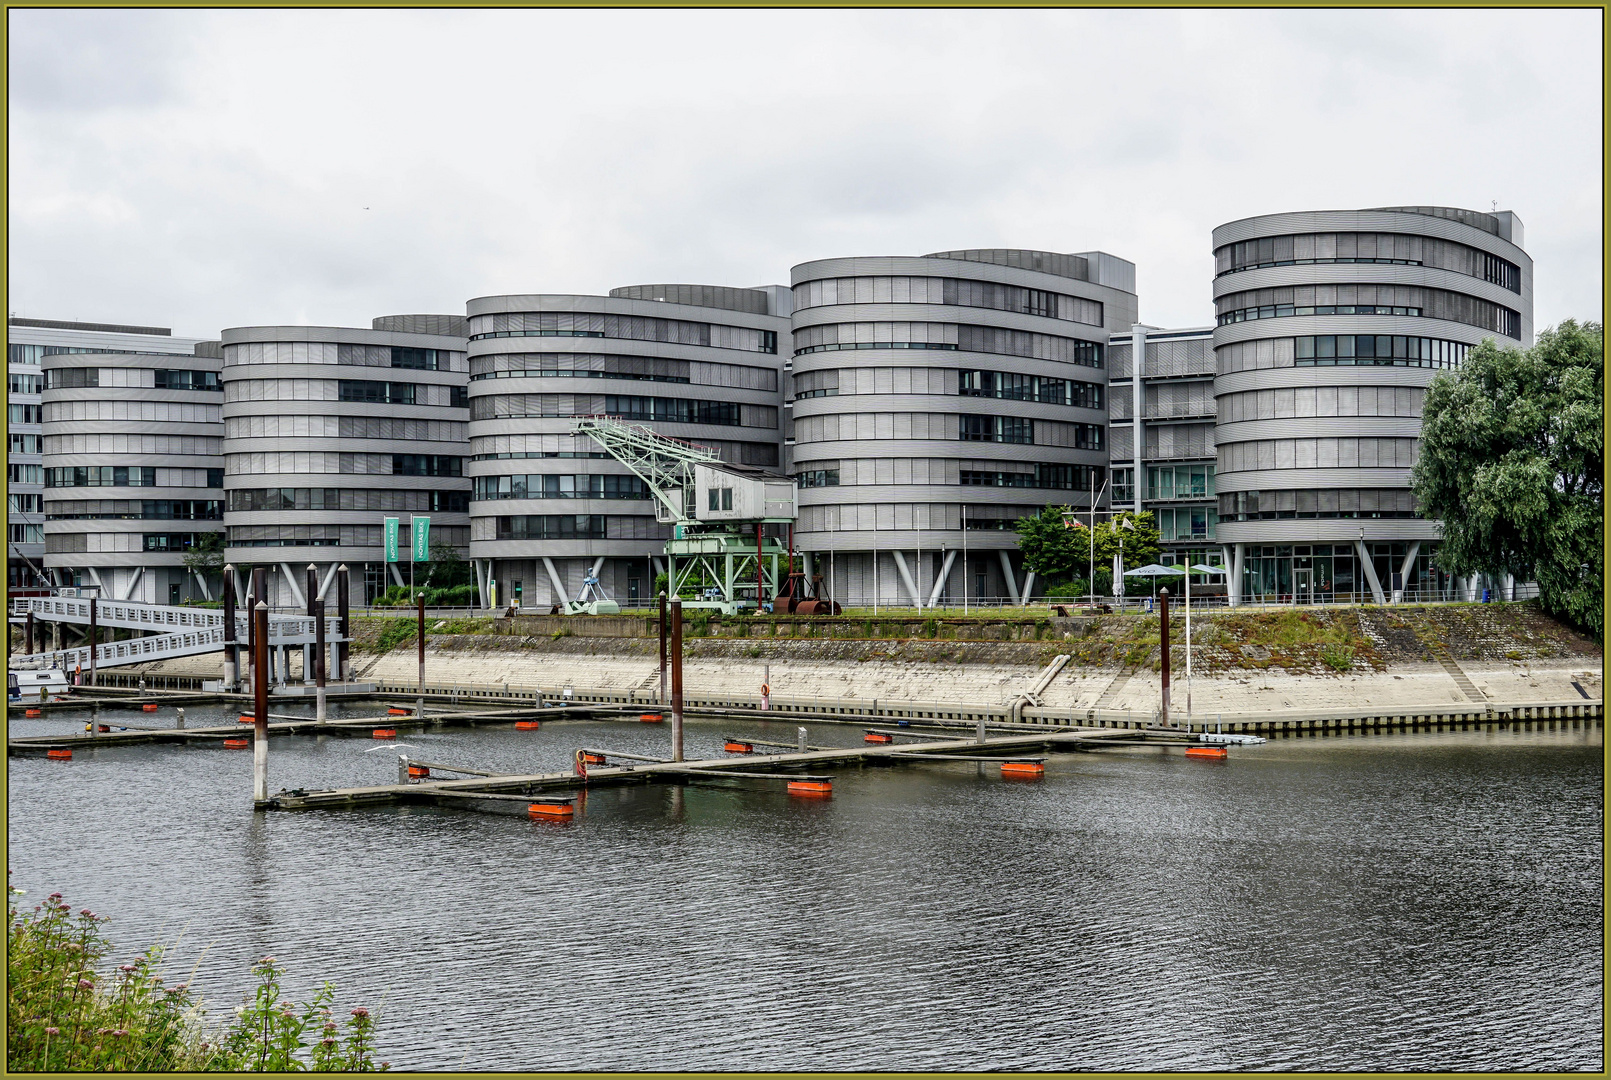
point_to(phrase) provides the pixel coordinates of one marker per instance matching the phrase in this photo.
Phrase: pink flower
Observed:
(360, 1011)
(85, 984)
(53, 1031)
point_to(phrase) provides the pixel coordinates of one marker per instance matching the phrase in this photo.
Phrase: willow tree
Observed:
(1512, 461)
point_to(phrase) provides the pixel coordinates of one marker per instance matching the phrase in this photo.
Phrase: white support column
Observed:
(1404, 571)
(201, 579)
(296, 590)
(329, 579)
(1138, 358)
(134, 581)
(944, 576)
(94, 574)
(1235, 560)
(1006, 572)
(397, 575)
(553, 575)
(1029, 583)
(1369, 570)
(1510, 586)
(479, 566)
(906, 576)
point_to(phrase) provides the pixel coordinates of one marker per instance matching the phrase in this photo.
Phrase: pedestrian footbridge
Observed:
(172, 631)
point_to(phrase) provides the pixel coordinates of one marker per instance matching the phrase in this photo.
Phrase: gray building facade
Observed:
(133, 469)
(328, 431)
(1174, 478)
(939, 399)
(28, 342)
(1330, 326)
(700, 363)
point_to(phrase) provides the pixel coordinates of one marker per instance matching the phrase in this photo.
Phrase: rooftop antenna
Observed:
(1494, 204)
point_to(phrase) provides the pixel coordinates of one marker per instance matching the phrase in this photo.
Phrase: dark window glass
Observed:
(418, 359)
(426, 465)
(380, 393)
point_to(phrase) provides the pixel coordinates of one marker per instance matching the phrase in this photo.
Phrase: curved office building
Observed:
(132, 470)
(328, 431)
(939, 399)
(1331, 324)
(693, 362)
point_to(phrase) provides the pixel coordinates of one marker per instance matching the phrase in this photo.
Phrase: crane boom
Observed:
(664, 465)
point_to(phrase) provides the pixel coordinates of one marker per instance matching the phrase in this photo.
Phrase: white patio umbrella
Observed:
(1154, 571)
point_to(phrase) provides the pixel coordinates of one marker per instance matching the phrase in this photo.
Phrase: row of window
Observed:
(947, 336)
(1355, 299)
(345, 353)
(1282, 311)
(329, 426)
(1324, 503)
(1017, 429)
(390, 393)
(24, 414)
(130, 442)
(427, 465)
(625, 406)
(23, 533)
(317, 535)
(24, 502)
(576, 527)
(560, 486)
(1389, 248)
(1040, 476)
(626, 327)
(357, 390)
(18, 383)
(110, 476)
(1296, 401)
(77, 378)
(1013, 386)
(242, 500)
(1396, 350)
(27, 444)
(147, 510)
(955, 292)
(161, 412)
(1340, 453)
(1044, 476)
(621, 366)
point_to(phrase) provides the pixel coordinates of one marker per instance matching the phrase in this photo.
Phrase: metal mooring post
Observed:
(676, 680)
(231, 656)
(344, 612)
(800, 738)
(320, 711)
(260, 705)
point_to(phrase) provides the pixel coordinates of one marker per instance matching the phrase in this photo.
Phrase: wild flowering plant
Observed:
(64, 1016)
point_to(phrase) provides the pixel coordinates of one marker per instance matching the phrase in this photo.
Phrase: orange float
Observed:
(31, 712)
(58, 755)
(384, 733)
(1022, 768)
(1215, 752)
(237, 744)
(651, 718)
(418, 771)
(733, 746)
(551, 810)
(875, 737)
(393, 710)
(813, 788)
(149, 708)
(527, 725)
(247, 720)
(593, 759)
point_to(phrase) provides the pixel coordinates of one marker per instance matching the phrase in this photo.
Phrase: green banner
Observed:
(422, 538)
(391, 539)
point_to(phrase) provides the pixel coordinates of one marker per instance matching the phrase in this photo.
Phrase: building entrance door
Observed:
(1303, 586)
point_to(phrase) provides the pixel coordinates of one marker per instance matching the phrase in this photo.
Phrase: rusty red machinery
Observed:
(796, 598)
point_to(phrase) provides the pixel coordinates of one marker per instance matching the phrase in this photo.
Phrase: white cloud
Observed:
(208, 169)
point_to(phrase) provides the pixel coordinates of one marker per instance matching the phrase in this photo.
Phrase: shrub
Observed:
(63, 1016)
(1337, 657)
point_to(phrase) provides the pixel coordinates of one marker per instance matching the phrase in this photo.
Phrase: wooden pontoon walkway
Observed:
(460, 792)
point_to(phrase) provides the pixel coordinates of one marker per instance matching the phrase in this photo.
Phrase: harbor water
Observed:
(1412, 901)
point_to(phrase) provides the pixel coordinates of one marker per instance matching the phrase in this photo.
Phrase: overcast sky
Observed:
(209, 169)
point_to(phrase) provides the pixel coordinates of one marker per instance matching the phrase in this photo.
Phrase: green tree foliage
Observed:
(1512, 461)
(1060, 552)
(447, 569)
(206, 556)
